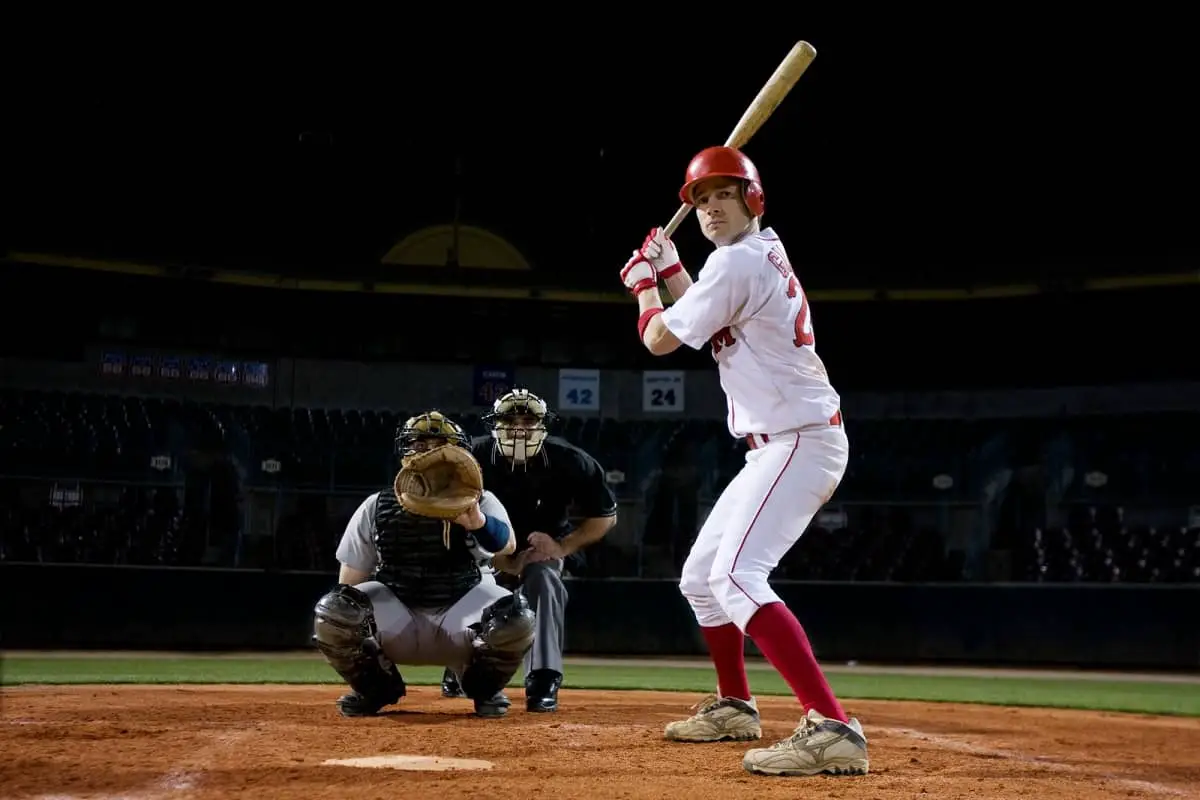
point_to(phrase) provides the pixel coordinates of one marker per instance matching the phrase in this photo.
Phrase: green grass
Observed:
(1133, 696)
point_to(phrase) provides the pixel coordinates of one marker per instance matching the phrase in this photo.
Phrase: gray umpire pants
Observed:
(542, 584)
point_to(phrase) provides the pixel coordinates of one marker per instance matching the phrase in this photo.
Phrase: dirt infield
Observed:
(208, 742)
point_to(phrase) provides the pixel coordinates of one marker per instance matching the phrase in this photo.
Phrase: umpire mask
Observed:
(518, 422)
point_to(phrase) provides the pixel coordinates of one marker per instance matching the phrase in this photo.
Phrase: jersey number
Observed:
(724, 337)
(803, 337)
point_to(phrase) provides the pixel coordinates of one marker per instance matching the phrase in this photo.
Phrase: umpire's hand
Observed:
(544, 547)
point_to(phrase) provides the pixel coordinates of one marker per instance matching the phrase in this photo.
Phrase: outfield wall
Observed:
(1078, 625)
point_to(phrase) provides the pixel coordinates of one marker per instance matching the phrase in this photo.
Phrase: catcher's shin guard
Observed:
(345, 633)
(503, 636)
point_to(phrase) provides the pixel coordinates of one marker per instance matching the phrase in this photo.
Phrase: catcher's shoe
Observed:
(450, 685)
(495, 706)
(355, 704)
(718, 719)
(358, 704)
(818, 746)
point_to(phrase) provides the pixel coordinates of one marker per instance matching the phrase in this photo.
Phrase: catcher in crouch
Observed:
(410, 590)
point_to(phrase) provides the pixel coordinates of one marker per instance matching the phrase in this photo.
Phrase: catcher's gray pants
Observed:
(436, 636)
(543, 587)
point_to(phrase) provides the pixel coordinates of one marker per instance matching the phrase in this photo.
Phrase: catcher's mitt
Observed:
(441, 483)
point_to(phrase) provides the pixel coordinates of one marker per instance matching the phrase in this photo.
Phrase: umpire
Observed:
(539, 478)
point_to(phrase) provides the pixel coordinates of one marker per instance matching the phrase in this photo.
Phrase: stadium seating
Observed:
(139, 479)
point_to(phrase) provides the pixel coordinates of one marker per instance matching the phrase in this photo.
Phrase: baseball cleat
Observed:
(357, 705)
(818, 746)
(450, 685)
(541, 691)
(495, 706)
(718, 719)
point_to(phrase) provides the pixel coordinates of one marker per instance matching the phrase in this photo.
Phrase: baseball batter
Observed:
(748, 306)
(410, 591)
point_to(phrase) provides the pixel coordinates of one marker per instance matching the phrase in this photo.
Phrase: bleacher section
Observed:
(137, 479)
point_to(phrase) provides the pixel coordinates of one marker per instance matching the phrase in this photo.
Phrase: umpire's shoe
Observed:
(495, 706)
(541, 690)
(450, 685)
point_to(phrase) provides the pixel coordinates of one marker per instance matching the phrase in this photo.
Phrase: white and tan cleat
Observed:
(818, 746)
(718, 719)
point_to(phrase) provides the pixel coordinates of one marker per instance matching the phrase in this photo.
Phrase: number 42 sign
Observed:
(662, 391)
(579, 389)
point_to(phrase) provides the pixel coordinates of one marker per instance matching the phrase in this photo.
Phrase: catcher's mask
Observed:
(519, 422)
(427, 431)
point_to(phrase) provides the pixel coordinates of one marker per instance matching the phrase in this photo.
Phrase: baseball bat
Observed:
(764, 104)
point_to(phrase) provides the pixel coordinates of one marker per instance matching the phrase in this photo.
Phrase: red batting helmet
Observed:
(727, 162)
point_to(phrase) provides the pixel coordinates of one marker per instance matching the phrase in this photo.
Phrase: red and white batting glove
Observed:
(639, 274)
(661, 251)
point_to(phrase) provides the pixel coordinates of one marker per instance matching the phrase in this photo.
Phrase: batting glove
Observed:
(662, 253)
(639, 274)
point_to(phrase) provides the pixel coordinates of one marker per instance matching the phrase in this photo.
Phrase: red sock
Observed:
(780, 637)
(727, 646)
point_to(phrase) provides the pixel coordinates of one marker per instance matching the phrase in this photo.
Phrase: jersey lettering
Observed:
(780, 263)
(721, 339)
(803, 337)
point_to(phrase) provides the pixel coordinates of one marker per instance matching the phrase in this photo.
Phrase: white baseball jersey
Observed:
(748, 304)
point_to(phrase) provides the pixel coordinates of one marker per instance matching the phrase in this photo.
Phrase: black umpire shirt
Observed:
(539, 493)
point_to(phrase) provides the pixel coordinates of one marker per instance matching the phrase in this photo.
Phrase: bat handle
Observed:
(680, 215)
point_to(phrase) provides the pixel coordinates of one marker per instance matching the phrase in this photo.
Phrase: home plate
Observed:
(434, 763)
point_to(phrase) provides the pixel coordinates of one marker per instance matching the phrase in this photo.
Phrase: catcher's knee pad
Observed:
(345, 633)
(503, 636)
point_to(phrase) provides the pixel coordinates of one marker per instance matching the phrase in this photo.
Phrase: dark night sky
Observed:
(977, 149)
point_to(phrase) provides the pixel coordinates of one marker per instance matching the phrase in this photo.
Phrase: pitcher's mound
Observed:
(425, 763)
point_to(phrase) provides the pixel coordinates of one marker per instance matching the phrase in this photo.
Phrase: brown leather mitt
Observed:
(441, 483)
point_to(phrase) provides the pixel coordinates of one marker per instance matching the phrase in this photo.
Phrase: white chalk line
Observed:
(963, 746)
(178, 781)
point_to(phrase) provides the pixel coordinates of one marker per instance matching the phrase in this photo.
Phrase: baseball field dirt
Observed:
(273, 741)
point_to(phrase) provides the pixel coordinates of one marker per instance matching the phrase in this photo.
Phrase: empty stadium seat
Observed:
(85, 481)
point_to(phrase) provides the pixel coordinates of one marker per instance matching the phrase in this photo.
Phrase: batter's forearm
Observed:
(650, 308)
(654, 333)
(678, 283)
(589, 531)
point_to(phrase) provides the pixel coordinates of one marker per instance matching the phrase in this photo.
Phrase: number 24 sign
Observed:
(662, 391)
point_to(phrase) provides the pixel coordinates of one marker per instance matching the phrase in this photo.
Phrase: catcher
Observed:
(410, 590)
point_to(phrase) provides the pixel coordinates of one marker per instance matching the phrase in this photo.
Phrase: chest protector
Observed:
(423, 565)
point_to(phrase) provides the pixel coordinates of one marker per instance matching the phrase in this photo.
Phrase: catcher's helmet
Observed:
(519, 421)
(430, 425)
(730, 163)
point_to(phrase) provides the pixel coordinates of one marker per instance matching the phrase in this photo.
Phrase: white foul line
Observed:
(963, 746)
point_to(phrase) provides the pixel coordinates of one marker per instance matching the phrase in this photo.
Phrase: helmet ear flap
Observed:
(752, 195)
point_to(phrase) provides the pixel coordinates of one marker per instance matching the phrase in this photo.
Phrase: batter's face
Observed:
(723, 215)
